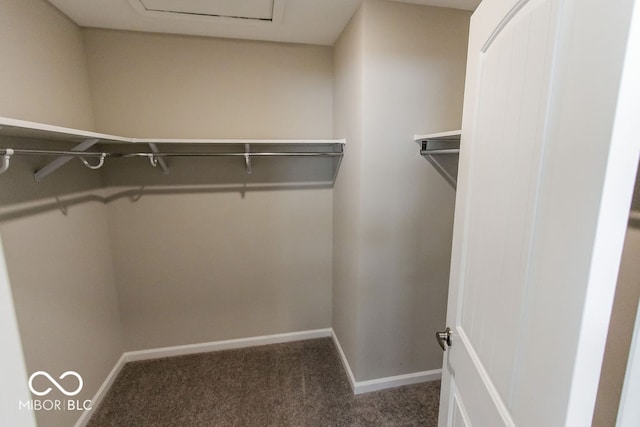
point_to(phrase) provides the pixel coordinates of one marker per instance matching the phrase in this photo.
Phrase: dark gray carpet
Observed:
(293, 384)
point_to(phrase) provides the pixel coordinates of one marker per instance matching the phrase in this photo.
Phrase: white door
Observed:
(548, 157)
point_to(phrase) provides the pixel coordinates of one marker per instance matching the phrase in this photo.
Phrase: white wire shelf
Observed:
(439, 149)
(85, 140)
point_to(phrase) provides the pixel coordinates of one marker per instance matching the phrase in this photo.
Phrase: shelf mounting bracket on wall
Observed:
(61, 161)
(160, 160)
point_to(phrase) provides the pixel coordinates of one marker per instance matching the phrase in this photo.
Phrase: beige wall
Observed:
(347, 119)
(415, 59)
(61, 275)
(57, 253)
(204, 266)
(189, 87)
(43, 76)
(209, 252)
(412, 74)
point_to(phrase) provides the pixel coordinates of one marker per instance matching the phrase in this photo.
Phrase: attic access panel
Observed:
(260, 10)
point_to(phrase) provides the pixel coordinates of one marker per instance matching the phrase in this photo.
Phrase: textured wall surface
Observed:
(43, 77)
(55, 234)
(404, 74)
(209, 252)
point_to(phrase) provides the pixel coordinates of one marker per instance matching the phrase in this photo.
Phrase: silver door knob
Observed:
(444, 338)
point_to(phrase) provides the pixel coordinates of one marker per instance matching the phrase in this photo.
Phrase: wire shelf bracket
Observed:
(61, 161)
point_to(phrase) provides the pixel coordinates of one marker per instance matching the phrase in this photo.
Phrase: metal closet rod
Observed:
(440, 151)
(156, 158)
(102, 154)
(250, 153)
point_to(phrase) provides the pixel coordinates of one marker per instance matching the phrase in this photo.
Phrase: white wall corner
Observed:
(360, 387)
(345, 362)
(102, 392)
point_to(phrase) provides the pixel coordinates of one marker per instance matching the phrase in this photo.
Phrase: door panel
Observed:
(473, 389)
(530, 290)
(460, 418)
(501, 191)
(503, 186)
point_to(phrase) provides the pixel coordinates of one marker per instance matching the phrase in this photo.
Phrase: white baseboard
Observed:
(102, 391)
(182, 350)
(396, 381)
(345, 362)
(360, 387)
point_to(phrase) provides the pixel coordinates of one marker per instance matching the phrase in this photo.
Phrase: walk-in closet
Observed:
(316, 212)
(234, 194)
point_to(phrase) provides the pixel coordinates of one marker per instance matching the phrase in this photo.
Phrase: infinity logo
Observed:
(55, 383)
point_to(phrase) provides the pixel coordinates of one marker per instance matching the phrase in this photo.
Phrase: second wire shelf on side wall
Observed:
(441, 150)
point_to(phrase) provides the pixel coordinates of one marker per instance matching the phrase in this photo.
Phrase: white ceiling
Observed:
(295, 21)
